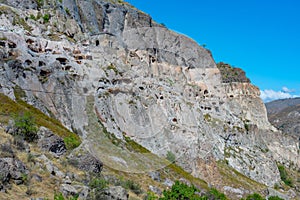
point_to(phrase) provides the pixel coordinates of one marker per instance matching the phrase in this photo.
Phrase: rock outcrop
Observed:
(12, 169)
(144, 81)
(116, 192)
(49, 142)
(86, 162)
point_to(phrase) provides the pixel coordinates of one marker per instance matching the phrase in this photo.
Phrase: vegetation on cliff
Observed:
(231, 74)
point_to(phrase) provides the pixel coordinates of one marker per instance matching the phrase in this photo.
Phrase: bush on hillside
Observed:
(181, 191)
(25, 127)
(284, 176)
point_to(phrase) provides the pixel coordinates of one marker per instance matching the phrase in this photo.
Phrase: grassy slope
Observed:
(9, 108)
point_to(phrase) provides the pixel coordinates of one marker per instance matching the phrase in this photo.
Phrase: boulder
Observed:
(154, 189)
(87, 162)
(51, 168)
(5, 172)
(115, 192)
(6, 150)
(168, 182)
(12, 169)
(48, 141)
(83, 191)
(273, 192)
(10, 127)
(68, 190)
(155, 176)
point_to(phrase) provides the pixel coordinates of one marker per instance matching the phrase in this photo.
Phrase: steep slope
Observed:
(284, 114)
(101, 63)
(43, 168)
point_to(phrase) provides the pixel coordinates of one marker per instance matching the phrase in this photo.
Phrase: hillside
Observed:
(284, 114)
(131, 103)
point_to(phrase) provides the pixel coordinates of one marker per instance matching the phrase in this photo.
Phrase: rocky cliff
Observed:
(88, 61)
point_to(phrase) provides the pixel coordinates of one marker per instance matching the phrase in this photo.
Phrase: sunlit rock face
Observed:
(143, 81)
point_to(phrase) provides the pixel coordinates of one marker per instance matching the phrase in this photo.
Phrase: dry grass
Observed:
(233, 178)
(49, 184)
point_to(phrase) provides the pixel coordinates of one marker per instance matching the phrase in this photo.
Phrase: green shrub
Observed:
(98, 183)
(40, 3)
(32, 17)
(134, 187)
(24, 177)
(98, 186)
(275, 198)
(46, 18)
(26, 127)
(151, 196)
(130, 144)
(71, 142)
(180, 191)
(61, 197)
(254, 196)
(67, 11)
(246, 126)
(112, 67)
(231, 74)
(284, 176)
(13, 108)
(216, 194)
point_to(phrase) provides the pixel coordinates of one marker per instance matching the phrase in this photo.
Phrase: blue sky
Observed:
(260, 36)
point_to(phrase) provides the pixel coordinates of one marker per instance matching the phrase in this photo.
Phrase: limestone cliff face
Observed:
(158, 87)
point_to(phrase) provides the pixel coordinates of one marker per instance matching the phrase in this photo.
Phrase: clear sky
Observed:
(260, 36)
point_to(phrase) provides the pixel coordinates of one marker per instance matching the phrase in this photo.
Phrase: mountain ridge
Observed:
(284, 115)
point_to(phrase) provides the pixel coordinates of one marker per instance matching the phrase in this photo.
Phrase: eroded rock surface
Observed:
(156, 86)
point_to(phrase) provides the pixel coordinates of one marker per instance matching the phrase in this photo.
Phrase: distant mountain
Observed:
(285, 115)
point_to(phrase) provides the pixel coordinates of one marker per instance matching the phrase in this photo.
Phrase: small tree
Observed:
(25, 127)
